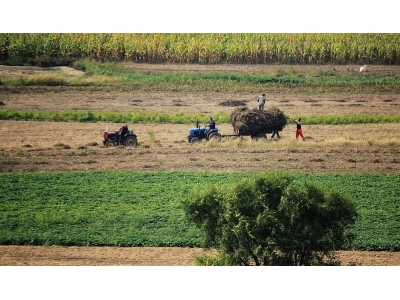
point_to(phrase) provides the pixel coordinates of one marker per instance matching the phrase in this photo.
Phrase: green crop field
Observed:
(142, 208)
(285, 48)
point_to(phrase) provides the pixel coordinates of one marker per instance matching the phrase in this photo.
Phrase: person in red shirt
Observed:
(299, 131)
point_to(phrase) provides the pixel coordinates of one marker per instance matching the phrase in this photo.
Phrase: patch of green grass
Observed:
(131, 117)
(165, 80)
(176, 118)
(117, 74)
(350, 119)
(40, 79)
(142, 209)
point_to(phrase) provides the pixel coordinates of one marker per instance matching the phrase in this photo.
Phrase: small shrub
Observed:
(216, 260)
(45, 61)
(87, 117)
(15, 61)
(79, 65)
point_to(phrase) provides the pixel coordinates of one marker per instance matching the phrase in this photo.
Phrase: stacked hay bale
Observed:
(253, 121)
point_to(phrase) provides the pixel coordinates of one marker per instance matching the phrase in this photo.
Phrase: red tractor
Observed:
(111, 139)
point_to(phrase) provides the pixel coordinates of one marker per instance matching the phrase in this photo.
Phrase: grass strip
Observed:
(176, 118)
(288, 79)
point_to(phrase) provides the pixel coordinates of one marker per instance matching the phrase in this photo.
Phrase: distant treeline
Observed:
(203, 48)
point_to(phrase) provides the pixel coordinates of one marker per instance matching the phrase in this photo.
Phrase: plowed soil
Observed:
(35, 146)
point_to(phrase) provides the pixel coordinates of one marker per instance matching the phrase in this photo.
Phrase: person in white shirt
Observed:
(261, 102)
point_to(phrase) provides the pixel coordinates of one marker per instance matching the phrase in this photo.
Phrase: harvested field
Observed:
(33, 146)
(73, 146)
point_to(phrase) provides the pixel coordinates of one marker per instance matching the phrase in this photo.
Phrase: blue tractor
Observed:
(202, 133)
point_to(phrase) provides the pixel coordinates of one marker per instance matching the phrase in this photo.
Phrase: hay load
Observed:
(253, 121)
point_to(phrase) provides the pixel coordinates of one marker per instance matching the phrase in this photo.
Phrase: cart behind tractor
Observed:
(257, 124)
(245, 122)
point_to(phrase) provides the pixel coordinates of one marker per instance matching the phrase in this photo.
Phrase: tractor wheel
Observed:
(131, 141)
(215, 136)
(110, 144)
(194, 140)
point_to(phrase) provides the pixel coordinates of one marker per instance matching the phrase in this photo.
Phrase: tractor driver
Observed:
(122, 133)
(212, 124)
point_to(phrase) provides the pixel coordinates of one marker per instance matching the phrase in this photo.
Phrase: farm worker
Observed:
(122, 133)
(212, 124)
(261, 102)
(299, 131)
(364, 68)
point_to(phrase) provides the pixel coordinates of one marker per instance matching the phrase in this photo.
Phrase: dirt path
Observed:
(146, 256)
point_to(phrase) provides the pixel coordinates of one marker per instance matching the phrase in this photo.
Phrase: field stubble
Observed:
(32, 146)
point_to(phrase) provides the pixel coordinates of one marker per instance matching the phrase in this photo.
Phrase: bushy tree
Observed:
(271, 219)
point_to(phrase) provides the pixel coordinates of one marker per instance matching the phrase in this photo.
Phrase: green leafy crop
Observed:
(142, 209)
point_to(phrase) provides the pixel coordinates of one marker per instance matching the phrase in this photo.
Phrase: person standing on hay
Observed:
(299, 131)
(261, 102)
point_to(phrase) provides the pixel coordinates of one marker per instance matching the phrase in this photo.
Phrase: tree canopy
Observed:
(271, 219)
